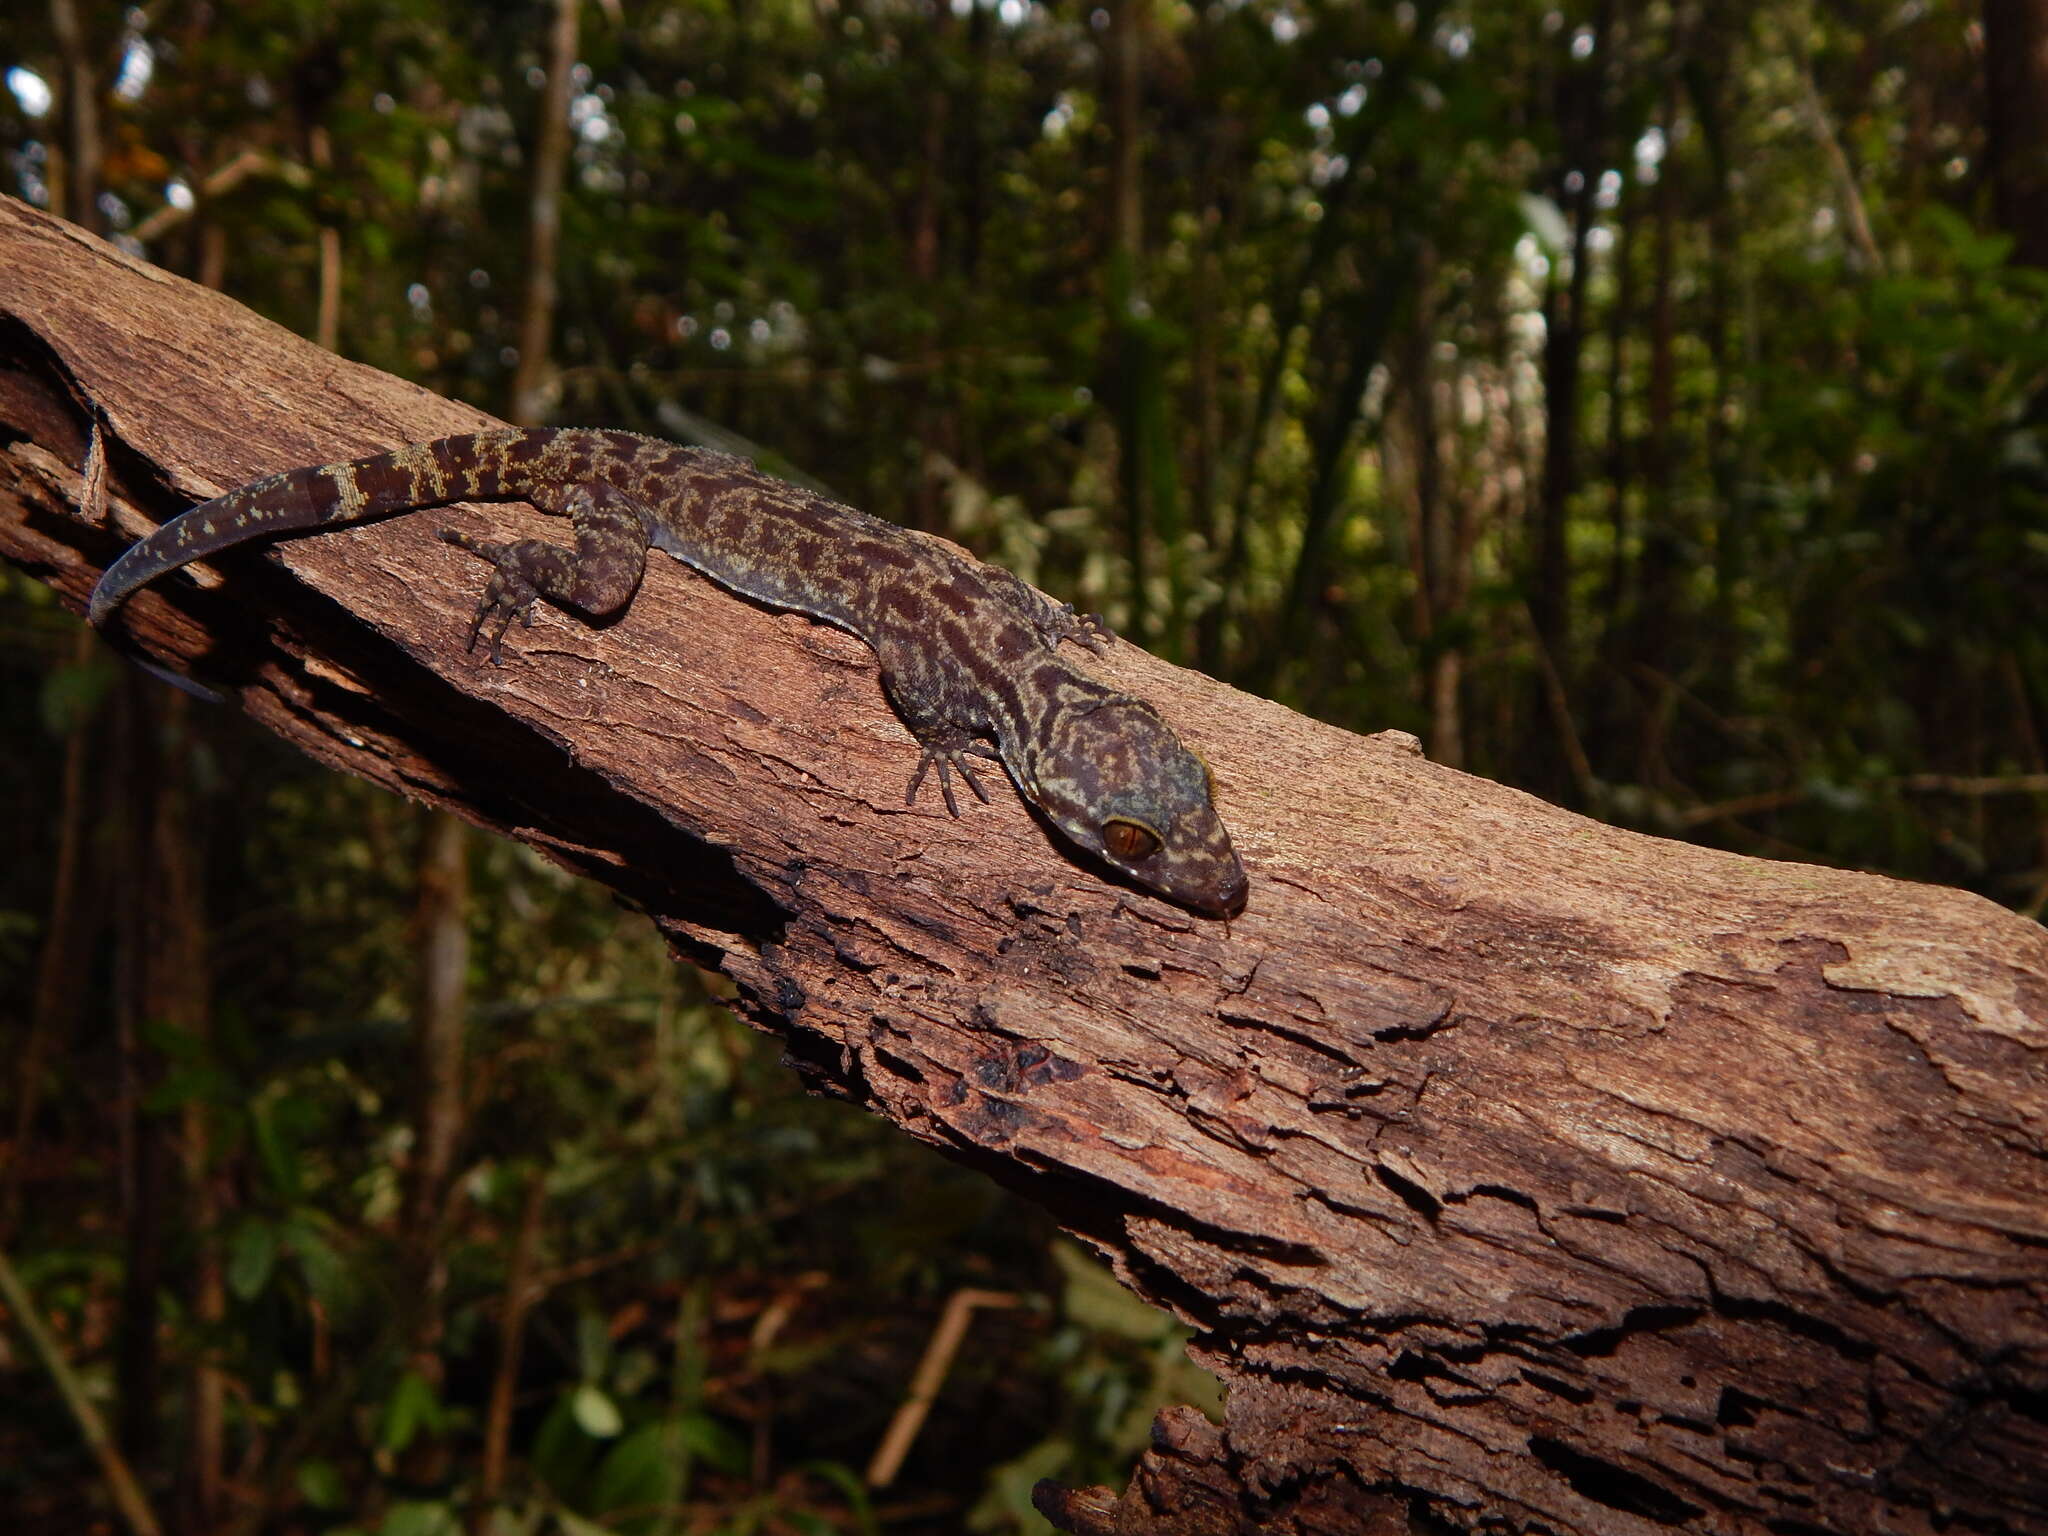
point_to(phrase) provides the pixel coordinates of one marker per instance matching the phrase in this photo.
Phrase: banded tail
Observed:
(479, 466)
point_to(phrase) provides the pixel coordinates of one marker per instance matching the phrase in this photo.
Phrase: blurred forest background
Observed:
(1641, 403)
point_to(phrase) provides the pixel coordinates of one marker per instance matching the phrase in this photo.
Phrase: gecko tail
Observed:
(325, 496)
(178, 680)
(286, 503)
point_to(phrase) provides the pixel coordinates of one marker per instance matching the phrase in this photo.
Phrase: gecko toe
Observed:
(948, 759)
(1086, 630)
(508, 596)
(967, 773)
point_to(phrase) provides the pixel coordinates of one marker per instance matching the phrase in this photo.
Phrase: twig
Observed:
(1741, 805)
(1975, 786)
(520, 1293)
(1561, 710)
(225, 178)
(930, 1376)
(1854, 214)
(1968, 784)
(128, 1496)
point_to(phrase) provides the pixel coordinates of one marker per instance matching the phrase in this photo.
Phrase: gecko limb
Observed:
(596, 578)
(1051, 621)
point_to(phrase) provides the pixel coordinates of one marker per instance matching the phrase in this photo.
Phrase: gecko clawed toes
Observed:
(948, 757)
(508, 596)
(1091, 633)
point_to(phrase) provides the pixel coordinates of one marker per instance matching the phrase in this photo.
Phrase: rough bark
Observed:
(1533, 1172)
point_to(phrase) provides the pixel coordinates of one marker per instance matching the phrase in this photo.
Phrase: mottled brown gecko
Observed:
(969, 653)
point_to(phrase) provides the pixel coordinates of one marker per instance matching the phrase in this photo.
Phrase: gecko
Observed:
(970, 655)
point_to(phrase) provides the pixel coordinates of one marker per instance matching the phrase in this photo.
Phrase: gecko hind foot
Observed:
(507, 596)
(948, 756)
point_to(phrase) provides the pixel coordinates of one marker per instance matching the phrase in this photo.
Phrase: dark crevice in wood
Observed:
(1615, 1487)
(1410, 1193)
(1636, 1321)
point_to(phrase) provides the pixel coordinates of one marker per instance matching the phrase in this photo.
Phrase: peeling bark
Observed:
(1512, 1169)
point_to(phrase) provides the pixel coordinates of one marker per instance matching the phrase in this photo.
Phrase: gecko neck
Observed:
(1031, 717)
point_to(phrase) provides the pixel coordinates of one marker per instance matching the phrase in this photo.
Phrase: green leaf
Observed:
(420, 1518)
(1093, 1299)
(200, 1084)
(593, 1345)
(573, 1524)
(411, 1408)
(72, 693)
(328, 1276)
(562, 1452)
(320, 1484)
(851, 1488)
(279, 1157)
(643, 1471)
(596, 1413)
(252, 1254)
(704, 1436)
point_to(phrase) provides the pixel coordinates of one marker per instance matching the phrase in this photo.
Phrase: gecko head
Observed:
(1116, 780)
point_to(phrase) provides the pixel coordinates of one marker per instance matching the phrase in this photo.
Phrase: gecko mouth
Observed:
(1212, 892)
(1226, 901)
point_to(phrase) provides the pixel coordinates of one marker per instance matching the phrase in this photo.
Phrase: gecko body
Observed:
(969, 653)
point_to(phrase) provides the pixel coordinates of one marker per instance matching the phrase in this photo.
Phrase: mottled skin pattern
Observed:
(968, 652)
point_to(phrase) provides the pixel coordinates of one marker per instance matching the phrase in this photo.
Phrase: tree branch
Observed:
(1542, 1172)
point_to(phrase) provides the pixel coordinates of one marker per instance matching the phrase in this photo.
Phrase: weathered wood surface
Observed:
(1526, 1170)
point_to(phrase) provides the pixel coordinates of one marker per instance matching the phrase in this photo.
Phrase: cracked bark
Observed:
(1511, 1168)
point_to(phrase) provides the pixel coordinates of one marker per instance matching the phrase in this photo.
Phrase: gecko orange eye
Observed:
(1129, 839)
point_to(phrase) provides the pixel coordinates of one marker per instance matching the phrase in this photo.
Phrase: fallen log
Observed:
(1513, 1170)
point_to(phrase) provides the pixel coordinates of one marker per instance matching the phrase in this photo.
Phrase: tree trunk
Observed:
(1583, 142)
(440, 1014)
(1658, 571)
(76, 917)
(1619, 467)
(1361, 333)
(1146, 469)
(1438, 557)
(926, 393)
(2016, 120)
(533, 378)
(1526, 1171)
(78, 188)
(160, 985)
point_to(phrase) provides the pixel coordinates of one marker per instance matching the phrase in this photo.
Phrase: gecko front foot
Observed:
(507, 596)
(1086, 630)
(947, 755)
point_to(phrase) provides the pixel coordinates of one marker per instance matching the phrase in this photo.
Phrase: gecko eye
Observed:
(1129, 839)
